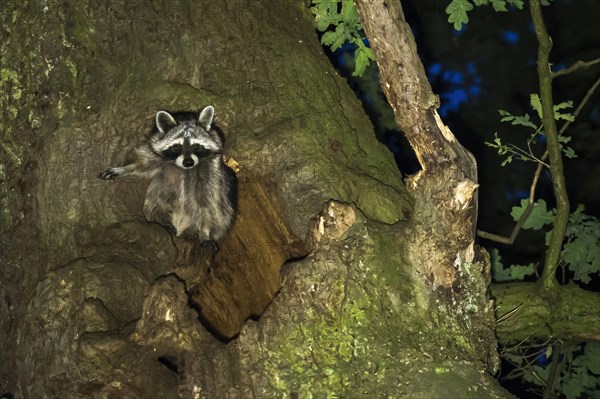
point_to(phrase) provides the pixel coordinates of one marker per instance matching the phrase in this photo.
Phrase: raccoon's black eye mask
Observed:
(200, 151)
(172, 152)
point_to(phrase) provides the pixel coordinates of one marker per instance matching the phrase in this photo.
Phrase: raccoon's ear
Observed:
(206, 117)
(164, 121)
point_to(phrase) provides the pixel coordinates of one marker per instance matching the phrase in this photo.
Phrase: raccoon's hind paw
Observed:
(108, 174)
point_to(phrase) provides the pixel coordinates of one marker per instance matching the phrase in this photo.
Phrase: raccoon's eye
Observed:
(199, 150)
(176, 149)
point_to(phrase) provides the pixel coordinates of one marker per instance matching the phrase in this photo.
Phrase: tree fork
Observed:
(445, 187)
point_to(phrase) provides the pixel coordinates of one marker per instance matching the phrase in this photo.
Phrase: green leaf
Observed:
(566, 116)
(564, 139)
(510, 151)
(499, 273)
(534, 100)
(573, 388)
(538, 217)
(457, 12)
(581, 251)
(349, 15)
(361, 57)
(543, 372)
(563, 105)
(519, 272)
(516, 3)
(342, 34)
(516, 120)
(592, 352)
(499, 5)
(369, 53)
(569, 152)
(325, 12)
(497, 143)
(512, 273)
(347, 29)
(581, 379)
(537, 106)
(329, 38)
(524, 121)
(507, 160)
(333, 39)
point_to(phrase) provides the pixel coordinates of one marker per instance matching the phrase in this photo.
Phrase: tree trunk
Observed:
(381, 291)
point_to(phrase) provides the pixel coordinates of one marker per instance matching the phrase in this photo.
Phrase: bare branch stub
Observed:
(445, 163)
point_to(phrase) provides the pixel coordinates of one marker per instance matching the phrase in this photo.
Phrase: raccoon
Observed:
(191, 190)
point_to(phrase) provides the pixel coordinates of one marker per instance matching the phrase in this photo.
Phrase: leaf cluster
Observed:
(339, 22)
(458, 10)
(512, 273)
(581, 250)
(539, 216)
(512, 151)
(581, 379)
(578, 364)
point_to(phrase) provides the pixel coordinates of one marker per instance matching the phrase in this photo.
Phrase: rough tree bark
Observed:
(440, 242)
(382, 292)
(444, 188)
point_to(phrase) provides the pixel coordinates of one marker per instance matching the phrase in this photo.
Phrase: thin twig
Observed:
(536, 176)
(515, 231)
(556, 365)
(562, 130)
(529, 155)
(579, 64)
(581, 105)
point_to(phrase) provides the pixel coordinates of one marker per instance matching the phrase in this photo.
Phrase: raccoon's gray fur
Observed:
(191, 189)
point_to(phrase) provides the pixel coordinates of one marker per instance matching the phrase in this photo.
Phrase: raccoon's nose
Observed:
(188, 162)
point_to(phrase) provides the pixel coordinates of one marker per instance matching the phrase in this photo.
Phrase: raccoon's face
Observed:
(184, 140)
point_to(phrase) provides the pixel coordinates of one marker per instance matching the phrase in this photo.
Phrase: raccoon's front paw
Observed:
(108, 174)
